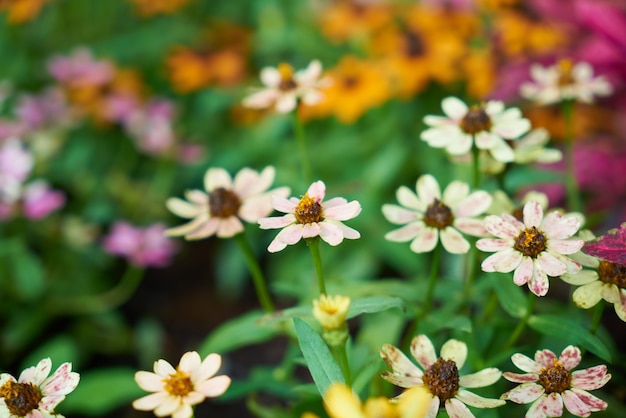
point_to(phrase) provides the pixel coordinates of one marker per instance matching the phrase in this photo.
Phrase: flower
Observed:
(176, 390)
(610, 246)
(564, 81)
(331, 311)
(605, 280)
(486, 126)
(16, 163)
(226, 201)
(534, 248)
(427, 216)
(285, 87)
(548, 384)
(502, 203)
(310, 216)
(440, 376)
(146, 247)
(81, 69)
(35, 394)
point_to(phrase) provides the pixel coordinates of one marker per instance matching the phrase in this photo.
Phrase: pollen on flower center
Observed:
(442, 378)
(530, 242)
(476, 120)
(438, 215)
(308, 210)
(178, 384)
(20, 398)
(565, 67)
(223, 203)
(612, 273)
(286, 77)
(555, 379)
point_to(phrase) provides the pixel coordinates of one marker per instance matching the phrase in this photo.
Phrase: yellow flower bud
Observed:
(331, 311)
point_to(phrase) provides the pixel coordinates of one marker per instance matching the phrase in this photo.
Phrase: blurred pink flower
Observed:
(151, 127)
(80, 69)
(16, 163)
(39, 199)
(10, 129)
(43, 110)
(146, 247)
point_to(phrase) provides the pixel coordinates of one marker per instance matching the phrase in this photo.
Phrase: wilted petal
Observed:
(423, 350)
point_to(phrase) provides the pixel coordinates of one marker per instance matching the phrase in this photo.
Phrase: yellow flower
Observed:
(20, 11)
(331, 311)
(352, 20)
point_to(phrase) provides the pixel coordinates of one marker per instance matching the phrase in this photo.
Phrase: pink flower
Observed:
(310, 217)
(44, 110)
(152, 127)
(80, 69)
(16, 163)
(548, 384)
(147, 247)
(39, 200)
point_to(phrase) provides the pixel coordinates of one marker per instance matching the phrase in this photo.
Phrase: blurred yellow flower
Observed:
(347, 20)
(20, 11)
(331, 311)
(521, 36)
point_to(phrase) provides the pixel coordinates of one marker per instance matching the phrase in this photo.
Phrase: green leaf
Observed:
(28, 273)
(319, 360)
(60, 349)
(238, 332)
(510, 296)
(374, 304)
(571, 332)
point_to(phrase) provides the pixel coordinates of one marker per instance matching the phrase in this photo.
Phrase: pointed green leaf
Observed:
(238, 332)
(374, 304)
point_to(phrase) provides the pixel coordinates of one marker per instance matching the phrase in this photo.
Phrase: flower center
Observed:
(612, 273)
(414, 46)
(438, 215)
(178, 384)
(351, 81)
(476, 120)
(223, 203)
(530, 242)
(555, 378)
(286, 77)
(565, 72)
(20, 398)
(442, 378)
(308, 210)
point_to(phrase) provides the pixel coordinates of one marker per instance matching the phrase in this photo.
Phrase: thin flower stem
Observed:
(257, 274)
(341, 354)
(571, 185)
(471, 273)
(475, 166)
(314, 247)
(597, 318)
(432, 281)
(521, 325)
(307, 172)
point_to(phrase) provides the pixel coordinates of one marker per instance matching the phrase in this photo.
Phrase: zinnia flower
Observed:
(564, 81)
(534, 248)
(486, 126)
(548, 384)
(176, 390)
(440, 376)
(310, 217)
(428, 216)
(226, 201)
(35, 394)
(147, 247)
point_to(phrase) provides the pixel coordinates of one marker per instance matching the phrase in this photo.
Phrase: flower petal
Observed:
(453, 241)
(406, 233)
(183, 208)
(474, 204)
(150, 402)
(478, 401)
(408, 199)
(533, 214)
(525, 363)
(215, 178)
(454, 108)
(428, 189)
(148, 381)
(570, 357)
(496, 225)
(399, 215)
(277, 222)
(590, 379)
(456, 351)
(502, 261)
(457, 409)
(595, 404)
(213, 387)
(423, 350)
(550, 264)
(343, 212)
(524, 393)
(547, 406)
(209, 366)
(425, 241)
(480, 379)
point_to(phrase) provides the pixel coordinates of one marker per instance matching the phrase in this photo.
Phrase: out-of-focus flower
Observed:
(440, 376)
(225, 202)
(354, 20)
(549, 383)
(153, 7)
(310, 217)
(151, 127)
(39, 199)
(35, 394)
(534, 248)
(427, 216)
(177, 390)
(284, 87)
(564, 81)
(502, 203)
(604, 280)
(16, 162)
(144, 247)
(486, 126)
(47, 110)
(520, 36)
(81, 69)
(20, 11)
(191, 70)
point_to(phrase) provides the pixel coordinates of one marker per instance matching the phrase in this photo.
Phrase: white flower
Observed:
(311, 216)
(440, 376)
(534, 248)
(564, 81)
(34, 394)
(284, 87)
(176, 390)
(487, 126)
(226, 201)
(427, 215)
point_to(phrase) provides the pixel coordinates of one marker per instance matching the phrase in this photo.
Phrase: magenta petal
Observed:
(570, 357)
(575, 405)
(545, 358)
(520, 378)
(550, 406)
(591, 378)
(594, 403)
(524, 393)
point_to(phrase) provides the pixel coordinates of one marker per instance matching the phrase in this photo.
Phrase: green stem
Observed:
(521, 325)
(571, 185)
(307, 172)
(432, 281)
(472, 271)
(475, 166)
(257, 274)
(597, 317)
(342, 358)
(314, 246)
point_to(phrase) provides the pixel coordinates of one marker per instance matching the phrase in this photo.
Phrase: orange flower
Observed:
(152, 7)
(346, 20)
(520, 35)
(480, 71)
(20, 11)
(589, 120)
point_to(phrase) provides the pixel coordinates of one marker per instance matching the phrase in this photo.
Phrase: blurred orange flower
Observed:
(152, 7)
(20, 11)
(191, 70)
(347, 20)
(520, 36)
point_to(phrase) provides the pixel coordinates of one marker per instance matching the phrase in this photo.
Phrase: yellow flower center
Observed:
(530, 242)
(442, 379)
(309, 210)
(178, 384)
(223, 203)
(20, 398)
(555, 378)
(438, 215)
(286, 77)
(612, 273)
(476, 120)
(565, 67)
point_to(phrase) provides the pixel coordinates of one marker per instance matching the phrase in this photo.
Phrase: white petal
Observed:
(428, 189)
(454, 108)
(453, 241)
(425, 241)
(216, 178)
(399, 215)
(454, 350)
(533, 214)
(480, 379)
(423, 350)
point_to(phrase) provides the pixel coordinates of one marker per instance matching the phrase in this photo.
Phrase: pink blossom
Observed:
(39, 200)
(16, 163)
(46, 109)
(147, 247)
(152, 127)
(81, 69)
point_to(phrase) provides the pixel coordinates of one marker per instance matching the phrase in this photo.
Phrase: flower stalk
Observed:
(314, 247)
(307, 171)
(571, 185)
(257, 274)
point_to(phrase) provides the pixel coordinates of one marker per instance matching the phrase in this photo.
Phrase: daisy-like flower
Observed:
(564, 81)
(534, 248)
(440, 376)
(549, 383)
(34, 394)
(284, 87)
(487, 126)
(310, 217)
(603, 280)
(331, 311)
(427, 216)
(176, 390)
(224, 203)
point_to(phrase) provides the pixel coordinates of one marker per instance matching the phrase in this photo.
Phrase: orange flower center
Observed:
(20, 398)
(476, 120)
(612, 273)
(223, 203)
(442, 379)
(555, 379)
(530, 242)
(565, 67)
(438, 215)
(178, 384)
(308, 210)
(286, 77)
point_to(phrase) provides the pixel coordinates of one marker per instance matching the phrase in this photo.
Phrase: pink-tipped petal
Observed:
(524, 393)
(590, 379)
(570, 357)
